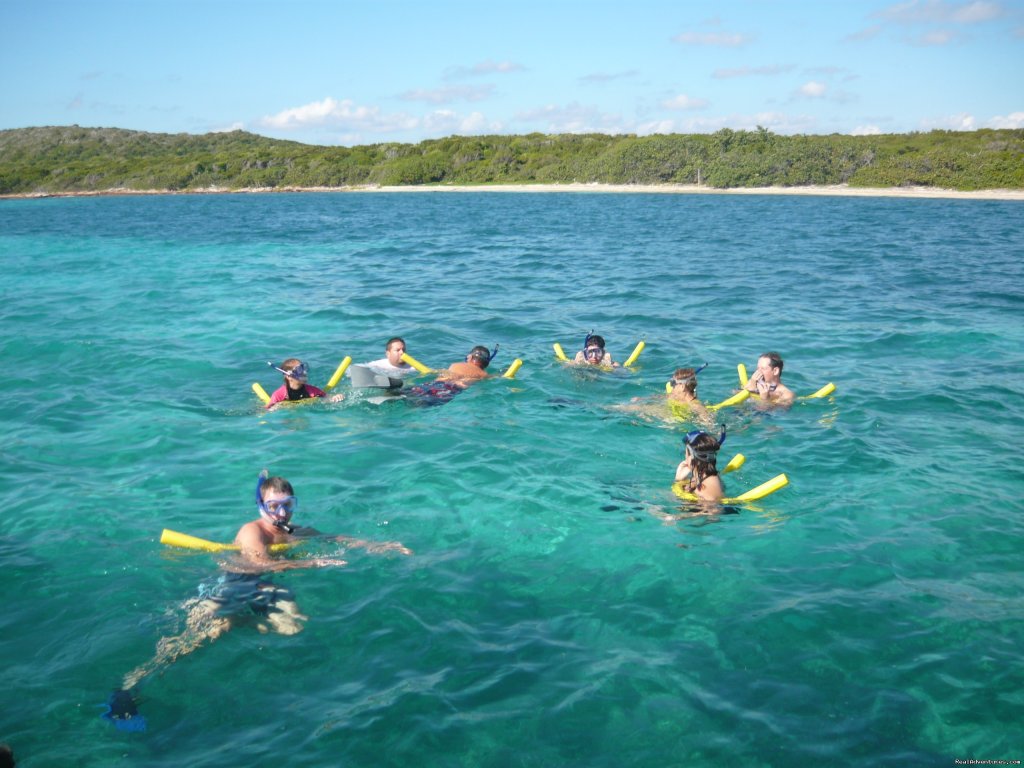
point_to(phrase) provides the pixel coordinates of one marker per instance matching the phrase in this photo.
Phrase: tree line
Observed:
(74, 159)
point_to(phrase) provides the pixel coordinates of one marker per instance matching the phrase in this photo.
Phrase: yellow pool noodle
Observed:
(407, 358)
(734, 463)
(175, 539)
(636, 353)
(759, 492)
(338, 373)
(736, 399)
(559, 352)
(825, 391)
(741, 369)
(511, 372)
(261, 393)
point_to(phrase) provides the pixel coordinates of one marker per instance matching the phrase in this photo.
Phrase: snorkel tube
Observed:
(278, 518)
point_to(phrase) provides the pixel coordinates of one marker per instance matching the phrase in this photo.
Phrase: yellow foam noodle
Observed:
(175, 539)
(511, 372)
(407, 358)
(825, 391)
(736, 399)
(741, 369)
(636, 353)
(559, 352)
(183, 540)
(261, 393)
(771, 486)
(338, 373)
(734, 463)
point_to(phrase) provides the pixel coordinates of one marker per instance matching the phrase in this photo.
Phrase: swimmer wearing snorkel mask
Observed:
(594, 353)
(698, 471)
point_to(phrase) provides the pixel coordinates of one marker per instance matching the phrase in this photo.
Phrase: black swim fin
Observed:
(124, 713)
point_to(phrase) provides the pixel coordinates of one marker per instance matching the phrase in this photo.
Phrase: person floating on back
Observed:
(594, 353)
(698, 471)
(766, 382)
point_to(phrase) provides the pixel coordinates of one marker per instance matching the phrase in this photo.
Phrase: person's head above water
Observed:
(394, 350)
(481, 356)
(275, 500)
(701, 452)
(593, 348)
(769, 365)
(686, 378)
(296, 372)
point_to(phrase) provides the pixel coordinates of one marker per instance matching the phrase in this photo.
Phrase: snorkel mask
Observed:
(490, 356)
(702, 455)
(277, 512)
(674, 382)
(300, 371)
(595, 353)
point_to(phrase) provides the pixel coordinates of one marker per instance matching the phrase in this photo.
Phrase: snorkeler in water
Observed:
(594, 353)
(296, 384)
(766, 382)
(454, 379)
(242, 593)
(698, 471)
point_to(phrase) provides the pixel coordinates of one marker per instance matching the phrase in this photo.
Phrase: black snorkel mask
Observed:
(702, 455)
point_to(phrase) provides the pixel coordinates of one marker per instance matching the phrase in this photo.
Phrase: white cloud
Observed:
(941, 11)
(868, 33)
(444, 122)
(775, 69)
(334, 114)
(450, 94)
(959, 122)
(682, 101)
(601, 77)
(484, 68)
(866, 130)
(237, 126)
(1013, 120)
(936, 37)
(776, 122)
(711, 38)
(573, 118)
(813, 89)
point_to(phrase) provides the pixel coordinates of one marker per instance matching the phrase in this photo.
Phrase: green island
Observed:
(75, 160)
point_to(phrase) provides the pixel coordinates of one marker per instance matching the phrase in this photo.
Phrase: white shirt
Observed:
(385, 367)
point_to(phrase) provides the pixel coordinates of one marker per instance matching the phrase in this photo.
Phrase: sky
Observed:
(346, 72)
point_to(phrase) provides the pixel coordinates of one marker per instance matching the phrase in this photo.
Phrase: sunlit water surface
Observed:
(868, 614)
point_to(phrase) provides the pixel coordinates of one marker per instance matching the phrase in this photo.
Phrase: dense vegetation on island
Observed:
(73, 159)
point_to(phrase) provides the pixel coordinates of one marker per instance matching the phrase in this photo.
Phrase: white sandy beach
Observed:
(837, 190)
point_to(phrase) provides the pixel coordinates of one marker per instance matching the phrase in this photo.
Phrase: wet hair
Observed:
(6, 756)
(392, 340)
(290, 364)
(706, 447)
(687, 378)
(278, 484)
(774, 360)
(595, 340)
(482, 355)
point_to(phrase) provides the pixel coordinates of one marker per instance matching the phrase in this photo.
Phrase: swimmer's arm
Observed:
(253, 551)
(784, 395)
(579, 358)
(682, 472)
(375, 547)
(752, 382)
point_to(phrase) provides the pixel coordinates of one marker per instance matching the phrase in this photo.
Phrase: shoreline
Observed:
(837, 190)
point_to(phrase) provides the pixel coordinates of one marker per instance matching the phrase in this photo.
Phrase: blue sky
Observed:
(366, 72)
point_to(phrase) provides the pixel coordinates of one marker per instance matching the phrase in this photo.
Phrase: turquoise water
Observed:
(868, 614)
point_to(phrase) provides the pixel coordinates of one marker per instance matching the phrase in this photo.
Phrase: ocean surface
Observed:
(562, 607)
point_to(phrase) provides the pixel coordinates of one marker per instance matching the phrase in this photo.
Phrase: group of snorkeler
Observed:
(393, 368)
(243, 593)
